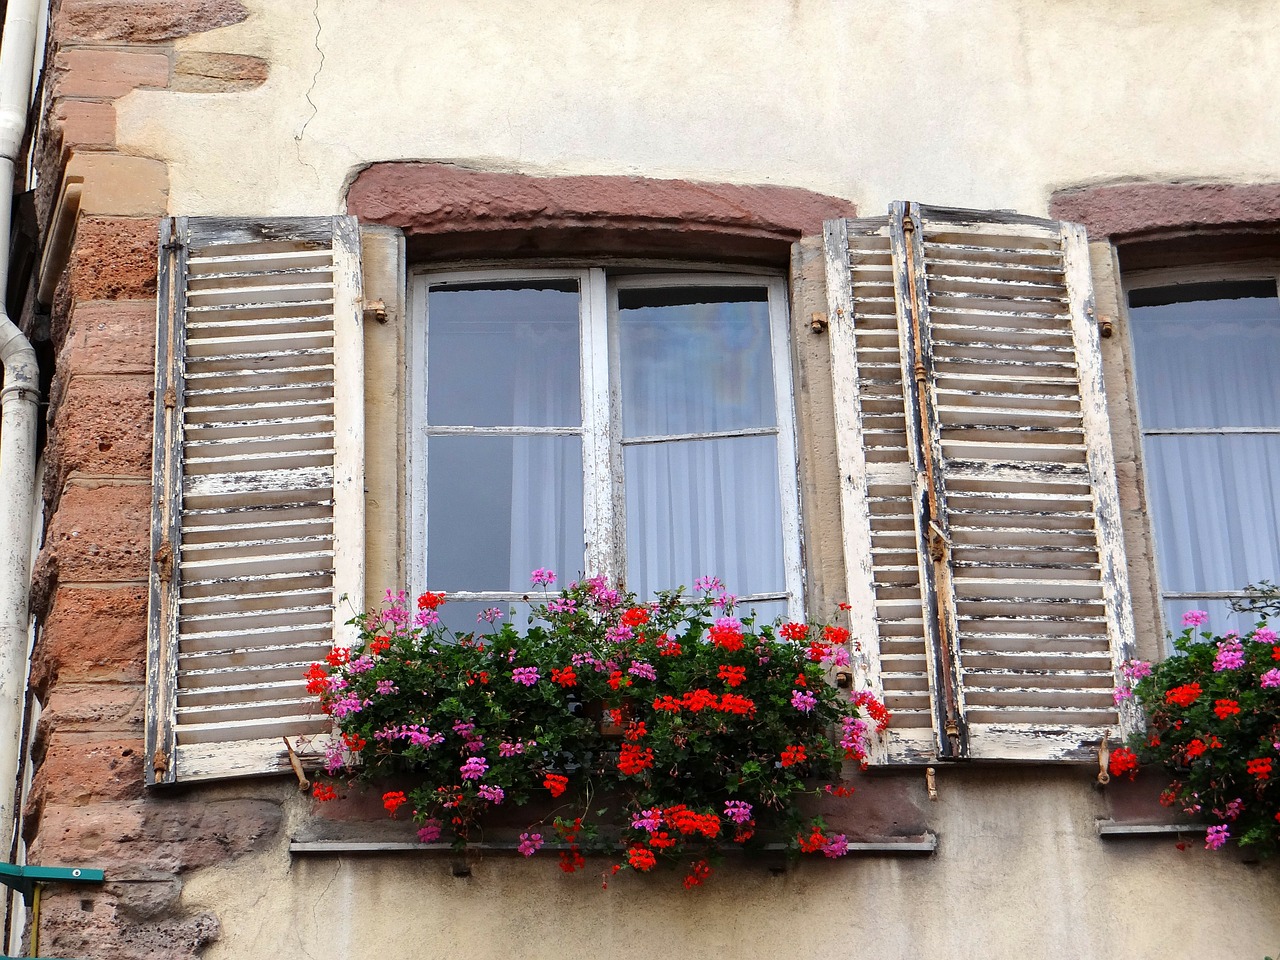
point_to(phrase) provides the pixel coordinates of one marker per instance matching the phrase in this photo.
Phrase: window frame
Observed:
(1226, 272)
(604, 503)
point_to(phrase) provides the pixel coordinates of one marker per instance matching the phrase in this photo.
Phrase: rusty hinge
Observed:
(375, 310)
(160, 761)
(164, 560)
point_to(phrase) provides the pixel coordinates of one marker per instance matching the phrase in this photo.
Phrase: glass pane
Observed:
(1221, 617)
(504, 354)
(1205, 358)
(499, 507)
(1216, 505)
(704, 508)
(695, 360)
(465, 617)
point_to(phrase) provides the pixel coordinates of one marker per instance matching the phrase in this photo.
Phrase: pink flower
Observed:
(836, 846)
(489, 615)
(1195, 618)
(563, 605)
(426, 618)
(529, 844)
(803, 700)
(1270, 679)
(386, 687)
(474, 768)
(647, 820)
(1216, 836)
(494, 794)
(429, 832)
(1230, 656)
(1135, 670)
(708, 585)
(1263, 635)
(525, 675)
(644, 671)
(1121, 694)
(543, 577)
(739, 811)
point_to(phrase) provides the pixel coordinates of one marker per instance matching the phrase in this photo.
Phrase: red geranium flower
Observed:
(793, 754)
(635, 617)
(641, 858)
(429, 600)
(393, 800)
(323, 792)
(732, 675)
(794, 631)
(556, 783)
(1183, 696)
(1123, 761)
(1225, 708)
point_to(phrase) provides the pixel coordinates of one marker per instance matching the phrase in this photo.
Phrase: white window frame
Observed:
(604, 503)
(1244, 271)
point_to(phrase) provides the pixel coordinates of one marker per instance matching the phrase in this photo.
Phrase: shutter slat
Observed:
(262, 492)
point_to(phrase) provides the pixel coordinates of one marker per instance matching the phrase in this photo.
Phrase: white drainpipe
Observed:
(18, 410)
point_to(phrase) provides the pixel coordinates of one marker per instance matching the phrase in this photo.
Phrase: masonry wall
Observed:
(273, 107)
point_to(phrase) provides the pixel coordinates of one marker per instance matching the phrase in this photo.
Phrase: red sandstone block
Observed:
(99, 533)
(107, 73)
(80, 768)
(102, 428)
(141, 21)
(92, 635)
(114, 258)
(110, 337)
(93, 707)
(85, 123)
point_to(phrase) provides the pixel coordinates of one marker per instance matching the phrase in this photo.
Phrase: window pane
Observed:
(503, 354)
(499, 507)
(1216, 505)
(1207, 361)
(694, 360)
(704, 507)
(1221, 617)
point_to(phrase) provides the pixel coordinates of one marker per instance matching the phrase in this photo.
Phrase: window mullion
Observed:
(599, 508)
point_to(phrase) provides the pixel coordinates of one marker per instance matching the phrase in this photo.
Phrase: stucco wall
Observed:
(984, 104)
(274, 108)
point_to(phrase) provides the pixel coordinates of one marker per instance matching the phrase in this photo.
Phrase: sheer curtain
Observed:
(698, 360)
(1209, 406)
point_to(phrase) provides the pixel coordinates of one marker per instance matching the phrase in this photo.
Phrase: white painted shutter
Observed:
(257, 531)
(981, 518)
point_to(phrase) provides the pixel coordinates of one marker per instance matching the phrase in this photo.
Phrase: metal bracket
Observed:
(25, 879)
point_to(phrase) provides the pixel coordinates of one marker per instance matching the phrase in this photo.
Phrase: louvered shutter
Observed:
(981, 519)
(258, 478)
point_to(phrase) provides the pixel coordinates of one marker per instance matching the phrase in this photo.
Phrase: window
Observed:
(1204, 356)
(634, 425)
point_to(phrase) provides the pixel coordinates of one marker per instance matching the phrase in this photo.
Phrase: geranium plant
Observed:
(1213, 718)
(668, 730)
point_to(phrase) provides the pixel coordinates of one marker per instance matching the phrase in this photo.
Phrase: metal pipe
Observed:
(19, 399)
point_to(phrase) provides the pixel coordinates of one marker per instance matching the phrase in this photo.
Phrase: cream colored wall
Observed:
(981, 103)
(985, 103)
(1019, 874)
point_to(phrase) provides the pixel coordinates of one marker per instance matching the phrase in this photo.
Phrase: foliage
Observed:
(1262, 598)
(1213, 715)
(670, 730)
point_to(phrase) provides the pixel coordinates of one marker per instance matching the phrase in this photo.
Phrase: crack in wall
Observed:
(315, 78)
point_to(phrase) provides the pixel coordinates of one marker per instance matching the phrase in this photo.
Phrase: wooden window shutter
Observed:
(981, 518)
(257, 523)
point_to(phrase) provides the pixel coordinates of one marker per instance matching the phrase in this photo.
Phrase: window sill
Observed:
(1116, 830)
(922, 845)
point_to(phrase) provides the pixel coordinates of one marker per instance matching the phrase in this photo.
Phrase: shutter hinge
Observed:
(1104, 760)
(375, 310)
(817, 322)
(164, 560)
(939, 543)
(160, 761)
(1105, 325)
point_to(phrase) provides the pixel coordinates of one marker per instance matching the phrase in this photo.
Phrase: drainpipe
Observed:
(18, 410)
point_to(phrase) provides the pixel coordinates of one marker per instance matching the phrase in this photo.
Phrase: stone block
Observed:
(102, 428)
(195, 71)
(92, 635)
(107, 73)
(80, 768)
(110, 337)
(154, 838)
(141, 21)
(112, 184)
(101, 533)
(114, 258)
(81, 707)
(85, 123)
